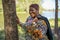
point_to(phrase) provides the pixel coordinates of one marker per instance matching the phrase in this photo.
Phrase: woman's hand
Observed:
(17, 20)
(35, 19)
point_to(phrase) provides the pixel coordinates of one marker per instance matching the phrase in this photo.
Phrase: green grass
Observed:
(2, 35)
(52, 22)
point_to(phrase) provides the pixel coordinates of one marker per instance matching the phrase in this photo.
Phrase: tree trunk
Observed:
(56, 16)
(10, 25)
(56, 19)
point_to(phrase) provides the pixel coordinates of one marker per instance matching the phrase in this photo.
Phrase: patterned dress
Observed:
(35, 31)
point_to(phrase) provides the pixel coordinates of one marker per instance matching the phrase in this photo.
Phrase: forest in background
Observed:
(22, 7)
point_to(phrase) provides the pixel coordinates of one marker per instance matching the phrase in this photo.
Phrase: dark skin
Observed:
(33, 13)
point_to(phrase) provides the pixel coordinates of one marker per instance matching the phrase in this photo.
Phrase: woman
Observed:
(41, 25)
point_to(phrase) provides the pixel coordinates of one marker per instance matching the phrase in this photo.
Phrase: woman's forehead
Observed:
(32, 8)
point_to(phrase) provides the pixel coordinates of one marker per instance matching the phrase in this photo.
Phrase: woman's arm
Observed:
(23, 24)
(27, 23)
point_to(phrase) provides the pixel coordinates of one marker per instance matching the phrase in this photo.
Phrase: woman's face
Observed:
(32, 12)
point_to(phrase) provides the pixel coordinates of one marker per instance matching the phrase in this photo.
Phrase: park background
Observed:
(47, 9)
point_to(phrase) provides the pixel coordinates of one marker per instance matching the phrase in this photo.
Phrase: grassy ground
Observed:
(52, 22)
(22, 17)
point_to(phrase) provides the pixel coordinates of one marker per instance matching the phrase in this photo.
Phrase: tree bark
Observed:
(10, 25)
(56, 16)
(56, 20)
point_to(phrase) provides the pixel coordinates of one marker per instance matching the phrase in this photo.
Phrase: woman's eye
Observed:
(31, 10)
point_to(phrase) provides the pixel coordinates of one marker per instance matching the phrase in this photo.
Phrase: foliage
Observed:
(0, 5)
(24, 4)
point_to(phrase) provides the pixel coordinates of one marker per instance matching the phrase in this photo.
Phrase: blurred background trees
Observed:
(47, 9)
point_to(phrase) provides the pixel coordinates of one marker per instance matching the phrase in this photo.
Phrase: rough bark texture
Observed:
(56, 20)
(10, 25)
(56, 16)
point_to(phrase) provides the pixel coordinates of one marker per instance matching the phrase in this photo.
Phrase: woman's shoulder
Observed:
(44, 18)
(29, 17)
